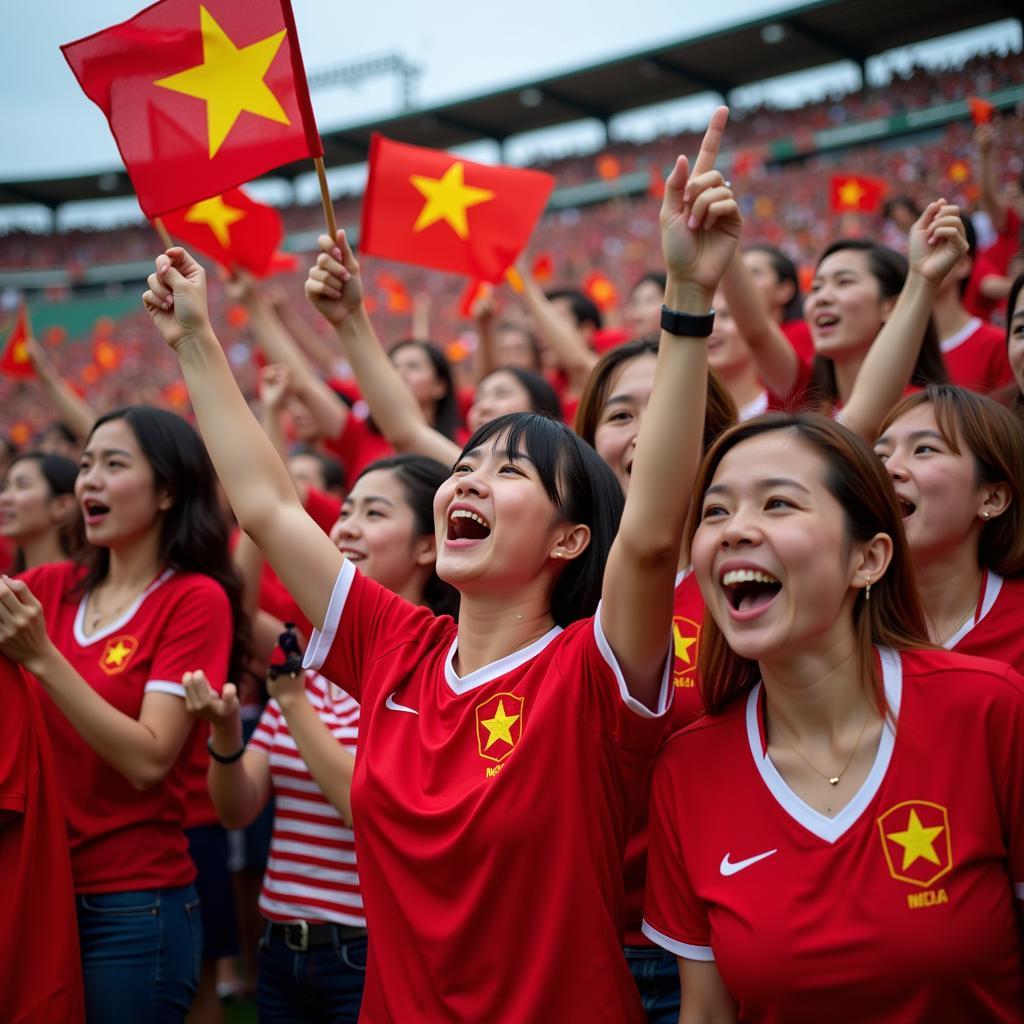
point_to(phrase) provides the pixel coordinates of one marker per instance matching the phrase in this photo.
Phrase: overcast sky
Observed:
(463, 46)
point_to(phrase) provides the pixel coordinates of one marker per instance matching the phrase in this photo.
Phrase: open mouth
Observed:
(826, 320)
(907, 508)
(466, 525)
(94, 511)
(352, 555)
(750, 590)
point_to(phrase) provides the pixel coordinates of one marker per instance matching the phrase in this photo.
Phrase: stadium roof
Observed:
(795, 39)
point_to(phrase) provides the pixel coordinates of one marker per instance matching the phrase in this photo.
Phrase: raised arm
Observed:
(316, 348)
(777, 363)
(335, 287)
(700, 227)
(71, 409)
(254, 477)
(937, 241)
(991, 202)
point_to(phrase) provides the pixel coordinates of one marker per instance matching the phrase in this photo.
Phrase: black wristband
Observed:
(686, 325)
(220, 758)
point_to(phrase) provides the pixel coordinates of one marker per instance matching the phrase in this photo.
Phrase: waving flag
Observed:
(15, 361)
(200, 97)
(856, 193)
(432, 208)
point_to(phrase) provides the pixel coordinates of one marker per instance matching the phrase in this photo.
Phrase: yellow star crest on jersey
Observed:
(916, 842)
(118, 653)
(685, 639)
(499, 725)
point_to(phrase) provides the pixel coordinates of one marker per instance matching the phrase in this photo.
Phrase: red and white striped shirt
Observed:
(311, 872)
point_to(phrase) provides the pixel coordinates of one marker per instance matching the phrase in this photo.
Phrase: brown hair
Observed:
(719, 415)
(995, 438)
(855, 477)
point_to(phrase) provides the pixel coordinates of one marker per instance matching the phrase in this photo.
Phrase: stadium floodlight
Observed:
(357, 71)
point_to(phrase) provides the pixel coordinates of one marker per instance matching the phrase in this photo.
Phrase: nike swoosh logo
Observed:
(728, 867)
(392, 705)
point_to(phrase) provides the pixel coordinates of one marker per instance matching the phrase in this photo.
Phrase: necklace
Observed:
(98, 615)
(956, 629)
(832, 780)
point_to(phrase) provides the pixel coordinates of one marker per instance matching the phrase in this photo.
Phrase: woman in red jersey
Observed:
(777, 280)
(310, 899)
(612, 408)
(1013, 395)
(869, 315)
(817, 852)
(501, 755)
(108, 642)
(956, 460)
(37, 508)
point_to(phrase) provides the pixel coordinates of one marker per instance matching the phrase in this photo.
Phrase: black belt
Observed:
(300, 936)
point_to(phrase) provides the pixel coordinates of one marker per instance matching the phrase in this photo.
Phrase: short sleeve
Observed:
(197, 634)
(674, 916)
(264, 734)
(16, 749)
(362, 619)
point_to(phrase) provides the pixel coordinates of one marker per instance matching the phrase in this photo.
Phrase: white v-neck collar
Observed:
(993, 584)
(682, 574)
(831, 829)
(496, 669)
(80, 635)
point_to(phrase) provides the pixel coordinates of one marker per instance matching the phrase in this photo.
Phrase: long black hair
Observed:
(889, 269)
(446, 409)
(194, 531)
(543, 397)
(785, 270)
(59, 474)
(582, 488)
(419, 477)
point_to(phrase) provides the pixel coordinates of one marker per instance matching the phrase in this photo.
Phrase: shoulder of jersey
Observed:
(708, 728)
(964, 678)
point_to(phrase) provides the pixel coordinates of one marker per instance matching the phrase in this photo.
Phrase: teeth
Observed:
(734, 576)
(464, 513)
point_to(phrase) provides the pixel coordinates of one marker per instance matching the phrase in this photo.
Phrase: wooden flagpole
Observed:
(161, 230)
(325, 197)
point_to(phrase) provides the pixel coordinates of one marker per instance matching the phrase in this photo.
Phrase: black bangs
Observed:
(579, 484)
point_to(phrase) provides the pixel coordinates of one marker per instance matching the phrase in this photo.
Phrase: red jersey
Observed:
(686, 707)
(995, 630)
(1007, 243)
(311, 871)
(899, 909)
(357, 446)
(798, 334)
(123, 839)
(975, 357)
(324, 509)
(974, 302)
(40, 972)
(491, 814)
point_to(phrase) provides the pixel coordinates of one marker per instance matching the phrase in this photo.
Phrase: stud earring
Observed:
(986, 515)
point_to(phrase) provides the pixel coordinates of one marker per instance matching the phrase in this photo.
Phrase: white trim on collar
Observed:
(496, 669)
(956, 340)
(682, 574)
(993, 585)
(831, 829)
(84, 641)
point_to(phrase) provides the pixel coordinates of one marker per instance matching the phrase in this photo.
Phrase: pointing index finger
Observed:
(712, 141)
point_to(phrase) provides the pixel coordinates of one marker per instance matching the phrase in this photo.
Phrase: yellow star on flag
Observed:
(230, 80)
(851, 192)
(217, 216)
(682, 644)
(917, 841)
(20, 352)
(117, 653)
(447, 199)
(500, 726)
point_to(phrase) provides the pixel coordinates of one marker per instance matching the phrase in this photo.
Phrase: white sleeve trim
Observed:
(1018, 889)
(321, 641)
(683, 949)
(665, 694)
(165, 686)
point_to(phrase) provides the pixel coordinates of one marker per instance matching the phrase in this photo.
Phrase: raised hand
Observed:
(240, 285)
(700, 219)
(937, 241)
(202, 701)
(334, 285)
(275, 385)
(176, 300)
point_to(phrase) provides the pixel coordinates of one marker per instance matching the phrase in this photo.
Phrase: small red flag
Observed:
(398, 299)
(543, 268)
(600, 290)
(608, 167)
(981, 110)
(856, 193)
(15, 361)
(655, 183)
(747, 162)
(473, 291)
(105, 354)
(200, 97)
(232, 229)
(282, 263)
(432, 208)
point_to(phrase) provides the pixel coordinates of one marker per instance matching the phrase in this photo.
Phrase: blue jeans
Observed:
(656, 974)
(324, 985)
(141, 953)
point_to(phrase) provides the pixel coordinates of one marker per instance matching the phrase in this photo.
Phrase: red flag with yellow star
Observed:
(856, 193)
(200, 96)
(232, 229)
(15, 361)
(434, 209)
